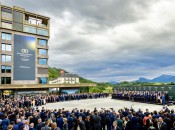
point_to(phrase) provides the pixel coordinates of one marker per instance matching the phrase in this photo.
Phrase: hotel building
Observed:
(23, 46)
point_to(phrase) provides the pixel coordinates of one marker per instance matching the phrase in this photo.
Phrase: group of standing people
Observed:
(142, 96)
(32, 101)
(14, 118)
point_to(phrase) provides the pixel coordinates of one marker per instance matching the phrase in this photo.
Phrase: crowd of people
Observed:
(14, 116)
(32, 101)
(142, 96)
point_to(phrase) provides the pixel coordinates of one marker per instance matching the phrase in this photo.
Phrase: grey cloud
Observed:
(93, 45)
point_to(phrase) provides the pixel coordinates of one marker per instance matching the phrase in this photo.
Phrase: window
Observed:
(42, 42)
(5, 69)
(42, 32)
(32, 20)
(29, 29)
(6, 15)
(6, 47)
(5, 80)
(6, 58)
(6, 25)
(42, 52)
(43, 61)
(42, 80)
(6, 36)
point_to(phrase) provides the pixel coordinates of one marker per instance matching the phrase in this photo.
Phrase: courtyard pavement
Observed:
(106, 103)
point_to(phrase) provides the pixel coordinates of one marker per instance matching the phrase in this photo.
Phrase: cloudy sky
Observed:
(109, 40)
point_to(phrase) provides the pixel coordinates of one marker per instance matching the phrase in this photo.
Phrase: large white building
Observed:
(66, 78)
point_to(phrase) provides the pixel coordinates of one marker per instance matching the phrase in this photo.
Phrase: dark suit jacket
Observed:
(40, 125)
(147, 123)
(163, 126)
(45, 128)
(115, 128)
(65, 126)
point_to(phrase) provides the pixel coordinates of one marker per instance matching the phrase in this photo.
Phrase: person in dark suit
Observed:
(54, 126)
(46, 127)
(34, 120)
(161, 124)
(32, 126)
(148, 121)
(60, 121)
(81, 123)
(5, 122)
(88, 123)
(96, 122)
(134, 121)
(151, 127)
(65, 125)
(173, 126)
(115, 127)
(40, 124)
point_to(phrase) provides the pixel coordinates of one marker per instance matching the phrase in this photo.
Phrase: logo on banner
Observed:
(24, 50)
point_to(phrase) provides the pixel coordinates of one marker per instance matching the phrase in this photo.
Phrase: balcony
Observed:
(42, 25)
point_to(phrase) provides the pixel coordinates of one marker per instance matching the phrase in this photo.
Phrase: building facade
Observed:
(66, 78)
(23, 46)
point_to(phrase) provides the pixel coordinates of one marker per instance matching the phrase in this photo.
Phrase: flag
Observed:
(62, 72)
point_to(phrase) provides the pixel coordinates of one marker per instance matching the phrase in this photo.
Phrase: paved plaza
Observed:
(106, 103)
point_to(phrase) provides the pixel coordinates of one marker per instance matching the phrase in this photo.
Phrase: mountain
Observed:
(143, 80)
(113, 82)
(162, 78)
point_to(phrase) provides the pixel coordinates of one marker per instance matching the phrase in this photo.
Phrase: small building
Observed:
(66, 78)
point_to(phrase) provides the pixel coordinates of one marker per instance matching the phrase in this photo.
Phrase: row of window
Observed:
(7, 80)
(6, 25)
(28, 29)
(8, 58)
(5, 69)
(31, 29)
(8, 36)
(8, 47)
(7, 15)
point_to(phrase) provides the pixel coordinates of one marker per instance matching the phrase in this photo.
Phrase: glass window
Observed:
(42, 32)
(2, 69)
(43, 61)
(5, 80)
(43, 80)
(8, 69)
(8, 80)
(6, 25)
(32, 20)
(6, 15)
(3, 47)
(3, 58)
(29, 29)
(5, 69)
(6, 36)
(6, 58)
(42, 42)
(2, 80)
(42, 52)
(6, 47)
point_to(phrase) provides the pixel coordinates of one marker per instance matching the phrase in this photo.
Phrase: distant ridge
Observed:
(162, 78)
(113, 82)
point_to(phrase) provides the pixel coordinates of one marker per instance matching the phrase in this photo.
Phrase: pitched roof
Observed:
(68, 75)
